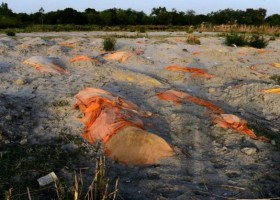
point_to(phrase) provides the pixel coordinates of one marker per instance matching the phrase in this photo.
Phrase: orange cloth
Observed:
(196, 72)
(118, 56)
(83, 58)
(180, 97)
(227, 121)
(46, 64)
(115, 122)
(105, 113)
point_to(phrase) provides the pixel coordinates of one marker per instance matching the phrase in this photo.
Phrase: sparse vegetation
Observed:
(256, 40)
(189, 30)
(22, 165)
(109, 43)
(10, 33)
(272, 38)
(192, 39)
(142, 29)
(99, 188)
(276, 78)
(235, 39)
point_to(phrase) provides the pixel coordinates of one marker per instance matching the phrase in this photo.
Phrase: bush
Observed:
(277, 34)
(239, 40)
(276, 78)
(109, 43)
(257, 41)
(189, 30)
(10, 33)
(236, 39)
(192, 39)
(142, 29)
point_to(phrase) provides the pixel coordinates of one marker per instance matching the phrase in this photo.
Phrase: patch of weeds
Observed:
(272, 38)
(99, 188)
(10, 33)
(257, 41)
(192, 39)
(276, 78)
(142, 29)
(234, 39)
(22, 165)
(60, 103)
(109, 43)
(277, 34)
(222, 34)
(189, 30)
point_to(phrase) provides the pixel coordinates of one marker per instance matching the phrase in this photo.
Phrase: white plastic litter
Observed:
(49, 178)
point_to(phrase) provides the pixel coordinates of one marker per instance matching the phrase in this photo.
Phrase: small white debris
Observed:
(45, 180)
(23, 141)
(249, 151)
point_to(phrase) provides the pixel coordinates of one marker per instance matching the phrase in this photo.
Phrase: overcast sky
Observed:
(199, 6)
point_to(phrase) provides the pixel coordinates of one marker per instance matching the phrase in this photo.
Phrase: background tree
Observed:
(42, 11)
(5, 11)
(273, 20)
(190, 16)
(121, 17)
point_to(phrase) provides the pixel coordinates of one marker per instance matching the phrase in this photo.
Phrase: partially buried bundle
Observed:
(227, 121)
(116, 122)
(48, 64)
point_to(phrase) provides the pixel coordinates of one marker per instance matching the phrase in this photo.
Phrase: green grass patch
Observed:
(276, 78)
(240, 40)
(258, 41)
(22, 165)
(234, 39)
(109, 43)
(10, 33)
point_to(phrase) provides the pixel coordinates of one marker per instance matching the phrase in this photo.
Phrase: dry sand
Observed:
(218, 164)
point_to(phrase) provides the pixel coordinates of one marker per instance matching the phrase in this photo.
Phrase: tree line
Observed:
(121, 17)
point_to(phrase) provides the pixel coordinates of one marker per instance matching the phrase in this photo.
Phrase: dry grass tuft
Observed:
(192, 39)
(98, 189)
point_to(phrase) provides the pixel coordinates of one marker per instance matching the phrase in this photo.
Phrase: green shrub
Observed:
(189, 30)
(236, 39)
(277, 34)
(257, 41)
(142, 29)
(276, 78)
(10, 33)
(192, 39)
(109, 43)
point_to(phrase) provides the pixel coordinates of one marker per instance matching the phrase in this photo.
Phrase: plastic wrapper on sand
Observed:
(116, 122)
(47, 64)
